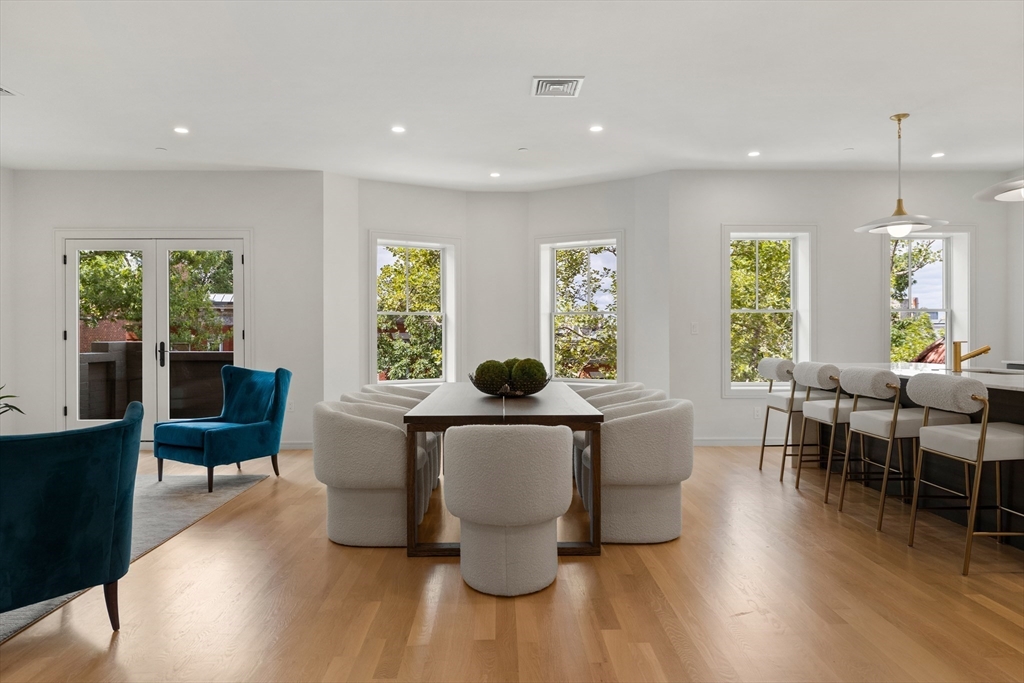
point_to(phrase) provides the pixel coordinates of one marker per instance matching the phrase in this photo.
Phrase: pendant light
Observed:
(900, 223)
(1007, 191)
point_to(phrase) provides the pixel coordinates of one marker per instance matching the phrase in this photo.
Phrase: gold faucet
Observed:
(959, 356)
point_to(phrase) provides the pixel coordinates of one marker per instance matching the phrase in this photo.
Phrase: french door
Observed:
(150, 320)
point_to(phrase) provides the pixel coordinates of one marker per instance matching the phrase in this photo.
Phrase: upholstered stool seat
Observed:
(908, 421)
(1003, 440)
(825, 411)
(781, 399)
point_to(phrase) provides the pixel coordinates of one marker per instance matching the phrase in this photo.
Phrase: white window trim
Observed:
(959, 260)
(544, 248)
(804, 278)
(450, 301)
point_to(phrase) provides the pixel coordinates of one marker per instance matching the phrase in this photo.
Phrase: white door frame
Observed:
(66, 286)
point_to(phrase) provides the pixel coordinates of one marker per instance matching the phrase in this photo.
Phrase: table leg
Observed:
(410, 490)
(595, 482)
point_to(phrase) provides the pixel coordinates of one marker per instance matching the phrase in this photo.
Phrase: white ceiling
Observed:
(684, 85)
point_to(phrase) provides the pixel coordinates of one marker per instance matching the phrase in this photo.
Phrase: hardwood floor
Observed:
(766, 583)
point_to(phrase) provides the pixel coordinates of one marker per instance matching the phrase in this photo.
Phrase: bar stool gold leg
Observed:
(972, 517)
(999, 501)
(917, 489)
(764, 435)
(846, 469)
(828, 458)
(800, 453)
(863, 461)
(885, 483)
(903, 479)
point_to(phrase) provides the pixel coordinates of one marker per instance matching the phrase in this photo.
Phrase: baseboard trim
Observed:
(299, 445)
(728, 441)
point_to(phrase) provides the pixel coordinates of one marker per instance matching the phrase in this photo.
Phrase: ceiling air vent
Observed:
(4, 92)
(557, 87)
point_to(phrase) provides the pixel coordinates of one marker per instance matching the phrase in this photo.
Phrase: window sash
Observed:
(556, 312)
(406, 248)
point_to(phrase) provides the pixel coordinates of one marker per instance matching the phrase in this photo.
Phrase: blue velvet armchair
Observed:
(248, 427)
(66, 511)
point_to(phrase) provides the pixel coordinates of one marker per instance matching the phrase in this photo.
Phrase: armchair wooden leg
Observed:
(110, 595)
(159, 469)
(239, 466)
(209, 480)
(273, 461)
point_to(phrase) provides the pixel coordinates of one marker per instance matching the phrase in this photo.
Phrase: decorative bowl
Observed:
(507, 390)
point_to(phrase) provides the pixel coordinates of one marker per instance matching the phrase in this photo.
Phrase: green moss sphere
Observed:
(529, 371)
(511, 364)
(491, 372)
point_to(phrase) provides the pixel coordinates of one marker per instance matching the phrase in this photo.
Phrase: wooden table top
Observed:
(460, 403)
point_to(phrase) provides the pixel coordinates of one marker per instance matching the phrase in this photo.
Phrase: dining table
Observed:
(455, 404)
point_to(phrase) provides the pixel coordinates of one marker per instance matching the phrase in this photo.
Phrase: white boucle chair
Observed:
(972, 444)
(362, 460)
(833, 411)
(591, 391)
(580, 440)
(612, 398)
(508, 484)
(646, 452)
(788, 400)
(399, 406)
(891, 425)
(418, 393)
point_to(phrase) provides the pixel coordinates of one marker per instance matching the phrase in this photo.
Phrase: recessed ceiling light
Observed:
(397, 129)
(161, 149)
(523, 149)
(596, 129)
(495, 175)
(847, 149)
(181, 130)
(753, 154)
(938, 154)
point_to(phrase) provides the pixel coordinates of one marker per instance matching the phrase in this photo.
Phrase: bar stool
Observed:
(891, 426)
(786, 402)
(833, 412)
(972, 444)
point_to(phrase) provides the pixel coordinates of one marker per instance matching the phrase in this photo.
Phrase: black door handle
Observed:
(161, 351)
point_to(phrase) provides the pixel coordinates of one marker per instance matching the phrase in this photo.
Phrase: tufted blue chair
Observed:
(248, 427)
(66, 511)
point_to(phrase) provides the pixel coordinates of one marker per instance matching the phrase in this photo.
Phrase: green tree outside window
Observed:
(410, 319)
(761, 304)
(585, 318)
(910, 333)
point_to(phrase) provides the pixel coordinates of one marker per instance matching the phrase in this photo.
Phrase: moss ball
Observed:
(491, 371)
(511, 364)
(529, 371)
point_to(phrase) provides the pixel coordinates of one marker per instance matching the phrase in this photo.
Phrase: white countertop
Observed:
(1008, 380)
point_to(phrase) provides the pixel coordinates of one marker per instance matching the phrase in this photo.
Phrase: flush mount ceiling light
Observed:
(753, 154)
(397, 129)
(900, 223)
(181, 130)
(596, 129)
(938, 155)
(1007, 191)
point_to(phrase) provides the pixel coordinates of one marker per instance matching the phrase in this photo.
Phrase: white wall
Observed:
(849, 323)
(285, 211)
(10, 422)
(311, 267)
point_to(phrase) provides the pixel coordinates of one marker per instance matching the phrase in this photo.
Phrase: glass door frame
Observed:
(67, 241)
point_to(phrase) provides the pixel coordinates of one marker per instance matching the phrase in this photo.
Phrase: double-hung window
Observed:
(410, 316)
(581, 329)
(762, 315)
(919, 307)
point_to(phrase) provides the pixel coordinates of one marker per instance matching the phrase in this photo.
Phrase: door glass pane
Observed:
(201, 329)
(109, 333)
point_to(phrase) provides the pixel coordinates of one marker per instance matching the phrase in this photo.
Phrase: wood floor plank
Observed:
(766, 584)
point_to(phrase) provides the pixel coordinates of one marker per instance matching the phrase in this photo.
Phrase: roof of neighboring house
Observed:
(933, 353)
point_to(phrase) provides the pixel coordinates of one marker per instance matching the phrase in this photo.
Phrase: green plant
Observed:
(511, 364)
(6, 407)
(528, 371)
(491, 371)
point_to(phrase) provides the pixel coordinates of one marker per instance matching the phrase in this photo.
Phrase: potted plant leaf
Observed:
(6, 407)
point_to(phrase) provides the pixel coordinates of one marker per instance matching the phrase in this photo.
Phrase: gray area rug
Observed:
(162, 510)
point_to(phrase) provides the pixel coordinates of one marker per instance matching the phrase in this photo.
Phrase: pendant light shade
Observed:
(900, 223)
(1006, 191)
